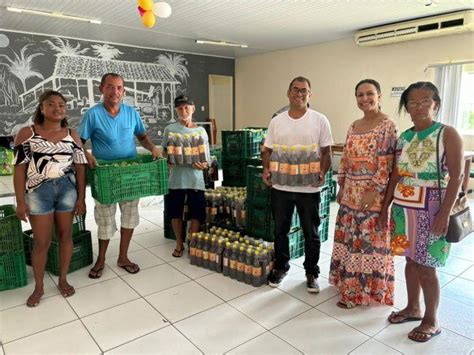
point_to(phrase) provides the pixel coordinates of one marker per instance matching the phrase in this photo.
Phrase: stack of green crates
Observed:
(259, 218)
(296, 238)
(237, 148)
(216, 150)
(81, 252)
(12, 259)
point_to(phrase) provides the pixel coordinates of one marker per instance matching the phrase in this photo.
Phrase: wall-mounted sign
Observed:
(397, 91)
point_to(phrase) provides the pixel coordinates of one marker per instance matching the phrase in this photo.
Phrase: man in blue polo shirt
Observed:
(112, 126)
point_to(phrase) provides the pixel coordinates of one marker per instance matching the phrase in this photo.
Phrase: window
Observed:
(465, 119)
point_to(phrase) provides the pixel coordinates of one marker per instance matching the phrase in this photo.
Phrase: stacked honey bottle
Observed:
(186, 149)
(242, 258)
(226, 205)
(297, 165)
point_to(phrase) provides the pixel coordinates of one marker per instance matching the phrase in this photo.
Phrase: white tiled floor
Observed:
(172, 307)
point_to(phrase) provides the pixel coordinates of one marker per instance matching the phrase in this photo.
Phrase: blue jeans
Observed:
(307, 206)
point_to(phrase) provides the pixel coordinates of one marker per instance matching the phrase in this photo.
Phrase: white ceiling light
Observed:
(221, 43)
(52, 14)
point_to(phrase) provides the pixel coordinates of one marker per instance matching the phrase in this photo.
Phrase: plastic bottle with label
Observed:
(178, 150)
(187, 150)
(170, 148)
(304, 166)
(284, 167)
(219, 256)
(294, 167)
(256, 270)
(226, 259)
(205, 252)
(202, 148)
(212, 254)
(248, 266)
(241, 263)
(275, 164)
(199, 246)
(314, 164)
(233, 261)
(192, 248)
(194, 148)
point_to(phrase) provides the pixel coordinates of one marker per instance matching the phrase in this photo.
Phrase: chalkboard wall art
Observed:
(30, 64)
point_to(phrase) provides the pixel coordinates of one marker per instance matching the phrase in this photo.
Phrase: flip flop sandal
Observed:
(404, 319)
(130, 268)
(33, 301)
(343, 305)
(177, 253)
(425, 335)
(67, 291)
(96, 273)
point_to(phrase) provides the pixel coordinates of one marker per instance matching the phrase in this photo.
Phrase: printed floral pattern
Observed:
(361, 264)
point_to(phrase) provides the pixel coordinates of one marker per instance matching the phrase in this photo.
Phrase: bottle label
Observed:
(187, 150)
(227, 209)
(314, 167)
(256, 271)
(248, 269)
(274, 166)
(170, 149)
(304, 169)
(218, 259)
(192, 251)
(199, 253)
(202, 148)
(284, 168)
(178, 150)
(240, 266)
(233, 264)
(195, 150)
(205, 255)
(242, 214)
(214, 210)
(212, 257)
(225, 261)
(294, 169)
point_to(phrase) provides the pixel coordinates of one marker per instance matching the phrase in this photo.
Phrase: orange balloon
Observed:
(149, 19)
(146, 5)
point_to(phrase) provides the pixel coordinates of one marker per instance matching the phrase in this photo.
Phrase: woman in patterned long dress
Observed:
(419, 222)
(50, 186)
(361, 264)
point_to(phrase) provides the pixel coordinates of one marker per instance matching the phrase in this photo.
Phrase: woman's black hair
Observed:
(423, 85)
(371, 82)
(38, 116)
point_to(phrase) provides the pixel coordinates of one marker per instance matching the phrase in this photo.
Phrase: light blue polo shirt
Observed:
(185, 177)
(112, 137)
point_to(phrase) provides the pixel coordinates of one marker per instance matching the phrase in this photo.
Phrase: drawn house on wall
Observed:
(150, 88)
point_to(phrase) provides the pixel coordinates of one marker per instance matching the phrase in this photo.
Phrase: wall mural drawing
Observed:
(75, 67)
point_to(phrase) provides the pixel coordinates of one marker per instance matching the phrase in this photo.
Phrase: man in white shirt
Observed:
(297, 126)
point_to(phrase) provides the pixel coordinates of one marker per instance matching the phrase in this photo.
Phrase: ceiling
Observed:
(264, 25)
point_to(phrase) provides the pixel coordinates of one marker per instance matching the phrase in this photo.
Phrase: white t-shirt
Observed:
(312, 128)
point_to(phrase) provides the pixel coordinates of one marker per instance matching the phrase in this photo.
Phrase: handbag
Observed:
(460, 220)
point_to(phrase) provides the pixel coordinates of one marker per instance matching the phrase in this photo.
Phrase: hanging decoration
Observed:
(148, 11)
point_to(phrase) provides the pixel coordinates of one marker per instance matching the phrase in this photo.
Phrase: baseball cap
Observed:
(183, 100)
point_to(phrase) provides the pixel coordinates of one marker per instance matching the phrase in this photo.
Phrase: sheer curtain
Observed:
(448, 80)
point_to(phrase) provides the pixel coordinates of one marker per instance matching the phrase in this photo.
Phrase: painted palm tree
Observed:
(21, 65)
(63, 46)
(175, 64)
(106, 51)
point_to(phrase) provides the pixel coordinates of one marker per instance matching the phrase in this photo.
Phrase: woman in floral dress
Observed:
(420, 223)
(361, 264)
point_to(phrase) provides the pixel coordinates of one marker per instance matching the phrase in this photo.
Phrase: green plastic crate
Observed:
(115, 183)
(243, 143)
(10, 230)
(81, 252)
(216, 150)
(78, 225)
(234, 170)
(258, 194)
(12, 270)
(260, 222)
(296, 238)
(325, 202)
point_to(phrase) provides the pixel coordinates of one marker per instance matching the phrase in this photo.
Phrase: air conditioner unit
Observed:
(440, 25)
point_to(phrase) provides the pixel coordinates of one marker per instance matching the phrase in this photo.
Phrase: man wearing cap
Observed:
(112, 127)
(186, 182)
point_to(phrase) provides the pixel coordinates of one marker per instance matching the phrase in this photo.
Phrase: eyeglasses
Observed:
(296, 91)
(423, 103)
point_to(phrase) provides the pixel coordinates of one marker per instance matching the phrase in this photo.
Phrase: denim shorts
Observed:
(56, 195)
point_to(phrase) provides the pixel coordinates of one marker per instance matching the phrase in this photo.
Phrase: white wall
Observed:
(334, 68)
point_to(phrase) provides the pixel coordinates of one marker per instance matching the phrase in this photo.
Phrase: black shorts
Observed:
(195, 200)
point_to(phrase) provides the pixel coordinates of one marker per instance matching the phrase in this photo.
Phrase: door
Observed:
(221, 103)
